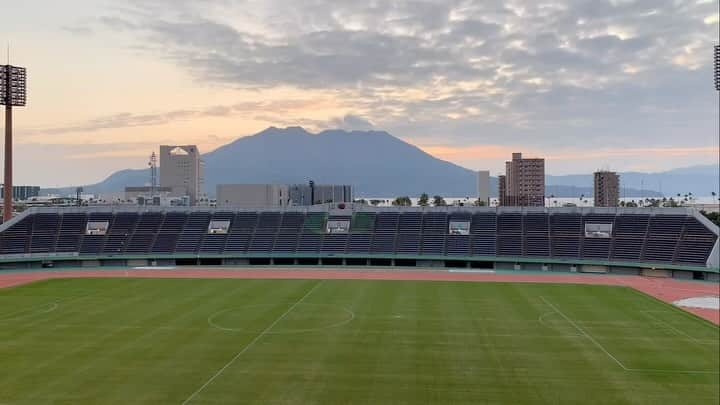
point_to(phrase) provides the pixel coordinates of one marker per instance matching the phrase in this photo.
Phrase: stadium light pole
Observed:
(12, 94)
(717, 67)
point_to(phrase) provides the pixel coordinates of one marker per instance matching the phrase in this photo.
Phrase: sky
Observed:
(587, 84)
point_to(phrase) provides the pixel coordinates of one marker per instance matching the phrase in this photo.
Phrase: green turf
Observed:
(137, 341)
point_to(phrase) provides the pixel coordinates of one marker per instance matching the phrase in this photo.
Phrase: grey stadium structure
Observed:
(667, 242)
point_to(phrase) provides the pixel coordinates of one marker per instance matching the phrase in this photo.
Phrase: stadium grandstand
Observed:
(668, 242)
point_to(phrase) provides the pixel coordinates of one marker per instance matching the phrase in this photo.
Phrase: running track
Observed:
(667, 290)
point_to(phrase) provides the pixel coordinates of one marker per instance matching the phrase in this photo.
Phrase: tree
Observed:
(361, 201)
(402, 201)
(652, 202)
(670, 203)
(375, 202)
(712, 216)
(480, 203)
(438, 201)
(423, 201)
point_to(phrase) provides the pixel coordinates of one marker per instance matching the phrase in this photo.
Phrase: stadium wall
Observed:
(709, 271)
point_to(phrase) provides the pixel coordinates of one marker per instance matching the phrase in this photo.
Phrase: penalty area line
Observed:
(251, 344)
(587, 335)
(619, 363)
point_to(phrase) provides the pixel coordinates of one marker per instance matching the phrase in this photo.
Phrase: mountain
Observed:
(116, 182)
(700, 180)
(374, 162)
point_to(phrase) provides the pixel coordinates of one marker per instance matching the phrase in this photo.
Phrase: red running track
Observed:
(667, 290)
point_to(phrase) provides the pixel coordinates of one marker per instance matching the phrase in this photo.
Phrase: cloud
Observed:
(351, 123)
(592, 72)
(130, 120)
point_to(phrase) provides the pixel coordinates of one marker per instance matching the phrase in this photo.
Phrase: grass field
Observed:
(124, 341)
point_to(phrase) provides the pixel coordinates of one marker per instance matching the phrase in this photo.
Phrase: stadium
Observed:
(350, 303)
(678, 243)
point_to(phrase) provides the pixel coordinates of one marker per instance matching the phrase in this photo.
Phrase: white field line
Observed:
(349, 319)
(582, 331)
(619, 363)
(541, 319)
(251, 344)
(22, 313)
(28, 312)
(677, 310)
(654, 370)
(676, 330)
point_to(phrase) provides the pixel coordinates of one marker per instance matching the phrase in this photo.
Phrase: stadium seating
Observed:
(483, 230)
(485, 233)
(214, 243)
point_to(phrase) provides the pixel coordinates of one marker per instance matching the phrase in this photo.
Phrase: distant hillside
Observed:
(700, 180)
(377, 164)
(374, 162)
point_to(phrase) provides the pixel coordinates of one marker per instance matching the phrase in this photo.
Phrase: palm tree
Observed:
(423, 200)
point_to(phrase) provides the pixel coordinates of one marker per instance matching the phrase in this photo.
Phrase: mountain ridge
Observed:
(375, 163)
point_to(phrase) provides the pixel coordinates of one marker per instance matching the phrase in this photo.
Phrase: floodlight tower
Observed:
(717, 67)
(12, 94)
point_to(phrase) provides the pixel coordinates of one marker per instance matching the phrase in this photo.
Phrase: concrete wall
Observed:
(561, 267)
(252, 195)
(683, 275)
(656, 273)
(504, 266)
(429, 263)
(586, 268)
(533, 266)
(626, 271)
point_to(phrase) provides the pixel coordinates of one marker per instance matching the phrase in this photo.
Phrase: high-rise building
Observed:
(606, 189)
(21, 193)
(524, 182)
(182, 169)
(483, 187)
(305, 194)
(502, 192)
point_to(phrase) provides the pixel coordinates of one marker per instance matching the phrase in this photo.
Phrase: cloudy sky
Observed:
(620, 84)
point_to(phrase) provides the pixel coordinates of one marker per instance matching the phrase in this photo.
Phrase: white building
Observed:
(182, 169)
